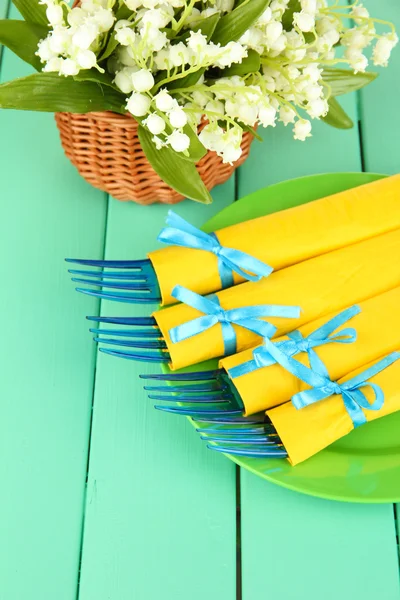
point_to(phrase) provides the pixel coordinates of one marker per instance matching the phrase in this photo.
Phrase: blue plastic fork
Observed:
(136, 278)
(210, 398)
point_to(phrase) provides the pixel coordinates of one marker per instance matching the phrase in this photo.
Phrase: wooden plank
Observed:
(161, 507)
(47, 361)
(295, 546)
(379, 113)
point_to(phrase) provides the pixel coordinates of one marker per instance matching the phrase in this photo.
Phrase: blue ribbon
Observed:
(182, 233)
(323, 387)
(297, 343)
(247, 317)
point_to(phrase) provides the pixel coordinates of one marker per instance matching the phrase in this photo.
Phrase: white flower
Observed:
(85, 35)
(164, 101)
(44, 51)
(224, 5)
(357, 60)
(104, 19)
(155, 124)
(231, 153)
(232, 53)
(273, 31)
(267, 116)
(177, 117)
(158, 17)
(304, 21)
(318, 108)
(383, 49)
(359, 14)
(55, 15)
(287, 115)
(247, 113)
(309, 6)
(142, 80)
(302, 130)
(197, 41)
(53, 65)
(179, 55)
(215, 106)
(69, 67)
(138, 104)
(125, 35)
(76, 16)
(179, 141)
(86, 59)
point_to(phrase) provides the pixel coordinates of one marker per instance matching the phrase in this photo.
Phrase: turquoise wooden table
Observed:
(104, 498)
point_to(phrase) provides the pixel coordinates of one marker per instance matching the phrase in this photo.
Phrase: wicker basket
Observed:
(105, 148)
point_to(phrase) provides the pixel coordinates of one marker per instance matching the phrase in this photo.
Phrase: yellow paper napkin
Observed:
(320, 286)
(309, 430)
(287, 237)
(378, 333)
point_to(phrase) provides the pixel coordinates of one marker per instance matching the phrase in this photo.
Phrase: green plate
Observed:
(364, 466)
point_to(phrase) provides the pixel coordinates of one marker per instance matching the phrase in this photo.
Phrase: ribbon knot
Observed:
(248, 317)
(322, 387)
(297, 343)
(181, 233)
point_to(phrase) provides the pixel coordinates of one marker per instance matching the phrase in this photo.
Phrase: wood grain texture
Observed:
(161, 508)
(379, 107)
(296, 547)
(47, 213)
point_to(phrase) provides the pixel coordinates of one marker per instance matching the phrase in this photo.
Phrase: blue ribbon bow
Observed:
(297, 343)
(323, 387)
(247, 317)
(182, 233)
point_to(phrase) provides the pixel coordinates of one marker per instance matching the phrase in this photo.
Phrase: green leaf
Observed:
(186, 82)
(32, 11)
(287, 19)
(343, 81)
(232, 26)
(110, 46)
(252, 131)
(196, 148)
(177, 172)
(23, 39)
(97, 77)
(251, 64)
(48, 92)
(337, 117)
(207, 26)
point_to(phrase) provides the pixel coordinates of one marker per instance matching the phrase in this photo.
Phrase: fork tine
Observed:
(234, 421)
(134, 321)
(242, 441)
(109, 275)
(139, 357)
(121, 297)
(206, 398)
(199, 376)
(137, 333)
(251, 452)
(201, 387)
(151, 345)
(250, 430)
(140, 287)
(116, 264)
(189, 412)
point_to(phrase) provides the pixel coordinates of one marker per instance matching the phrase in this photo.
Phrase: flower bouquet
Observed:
(175, 89)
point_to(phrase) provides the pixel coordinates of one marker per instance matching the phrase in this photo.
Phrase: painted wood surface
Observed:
(158, 515)
(47, 213)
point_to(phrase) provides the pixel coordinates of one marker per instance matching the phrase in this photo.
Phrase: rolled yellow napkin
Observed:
(320, 286)
(280, 239)
(377, 327)
(306, 431)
